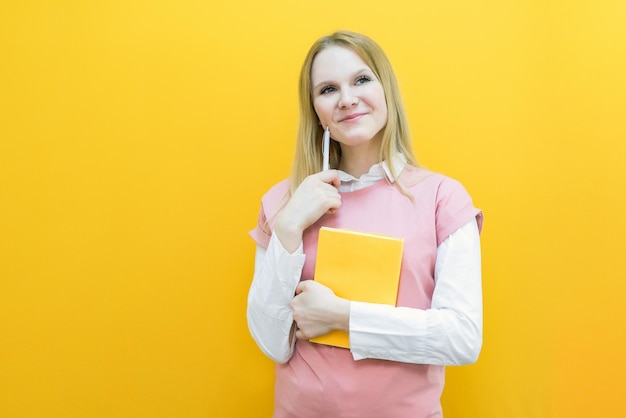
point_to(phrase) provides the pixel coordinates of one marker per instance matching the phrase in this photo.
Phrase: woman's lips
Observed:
(352, 117)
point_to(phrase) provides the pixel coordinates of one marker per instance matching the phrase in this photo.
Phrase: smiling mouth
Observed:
(352, 117)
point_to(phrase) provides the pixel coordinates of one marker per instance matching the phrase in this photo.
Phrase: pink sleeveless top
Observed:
(320, 381)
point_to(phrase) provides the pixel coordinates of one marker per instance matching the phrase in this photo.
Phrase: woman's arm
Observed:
(278, 270)
(450, 333)
(270, 320)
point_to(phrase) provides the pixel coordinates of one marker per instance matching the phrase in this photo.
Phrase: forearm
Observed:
(449, 333)
(290, 234)
(432, 336)
(269, 315)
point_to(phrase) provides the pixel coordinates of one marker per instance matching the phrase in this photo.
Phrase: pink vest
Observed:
(325, 382)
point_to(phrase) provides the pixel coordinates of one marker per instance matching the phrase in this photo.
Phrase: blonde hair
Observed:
(396, 136)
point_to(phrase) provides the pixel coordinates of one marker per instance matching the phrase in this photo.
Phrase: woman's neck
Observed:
(357, 161)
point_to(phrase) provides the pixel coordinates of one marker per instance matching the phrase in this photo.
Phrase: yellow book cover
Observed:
(357, 266)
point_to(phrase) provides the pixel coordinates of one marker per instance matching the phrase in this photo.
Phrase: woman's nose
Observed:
(347, 98)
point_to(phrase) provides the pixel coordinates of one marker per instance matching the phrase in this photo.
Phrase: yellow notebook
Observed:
(357, 266)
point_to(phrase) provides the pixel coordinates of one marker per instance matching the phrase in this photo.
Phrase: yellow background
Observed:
(137, 137)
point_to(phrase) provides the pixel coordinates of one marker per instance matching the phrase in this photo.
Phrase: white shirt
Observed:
(449, 333)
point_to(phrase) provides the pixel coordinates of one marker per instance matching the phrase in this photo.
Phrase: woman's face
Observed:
(347, 97)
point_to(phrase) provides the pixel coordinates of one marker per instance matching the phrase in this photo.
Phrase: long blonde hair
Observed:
(396, 136)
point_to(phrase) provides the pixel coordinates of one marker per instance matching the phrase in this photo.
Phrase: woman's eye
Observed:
(327, 89)
(362, 80)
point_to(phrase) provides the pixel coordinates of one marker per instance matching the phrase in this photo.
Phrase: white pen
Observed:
(326, 150)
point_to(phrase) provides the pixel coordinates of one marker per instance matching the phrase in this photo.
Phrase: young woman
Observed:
(395, 364)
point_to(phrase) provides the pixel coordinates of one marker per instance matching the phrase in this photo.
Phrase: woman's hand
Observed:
(318, 311)
(315, 196)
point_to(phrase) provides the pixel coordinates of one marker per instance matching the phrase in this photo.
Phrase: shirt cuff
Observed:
(379, 331)
(287, 266)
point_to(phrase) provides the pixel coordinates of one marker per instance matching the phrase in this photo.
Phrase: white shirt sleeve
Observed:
(449, 333)
(276, 276)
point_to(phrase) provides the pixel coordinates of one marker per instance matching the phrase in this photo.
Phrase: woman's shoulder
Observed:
(413, 176)
(418, 178)
(276, 193)
(452, 204)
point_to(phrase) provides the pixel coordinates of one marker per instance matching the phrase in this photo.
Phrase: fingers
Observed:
(300, 288)
(310, 309)
(300, 335)
(329, 176)
(316, 196)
